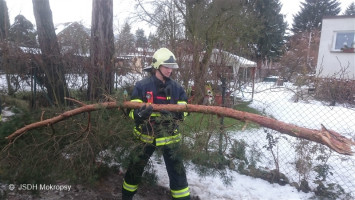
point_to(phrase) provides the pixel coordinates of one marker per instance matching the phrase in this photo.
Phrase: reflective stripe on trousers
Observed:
(143, 137)
(180, 193)
(128, 187)
(159, 141)
(168, 140)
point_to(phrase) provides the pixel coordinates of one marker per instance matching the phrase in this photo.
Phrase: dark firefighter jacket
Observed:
(161, 128)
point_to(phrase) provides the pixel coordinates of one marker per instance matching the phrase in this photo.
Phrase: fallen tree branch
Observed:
(324, 136)
(89, 114)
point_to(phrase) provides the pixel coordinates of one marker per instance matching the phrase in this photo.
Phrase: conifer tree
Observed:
(273, 29)
(141, 40)
(75, 37)
(350, 10)
(125, 41)
(22, 32)
(154, 42)
(312, 12)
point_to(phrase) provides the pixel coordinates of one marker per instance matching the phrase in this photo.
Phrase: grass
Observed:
(15, 102)
(244, 106)
(207, 138)
(200, 122)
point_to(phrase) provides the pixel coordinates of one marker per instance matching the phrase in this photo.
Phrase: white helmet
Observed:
(165, 57)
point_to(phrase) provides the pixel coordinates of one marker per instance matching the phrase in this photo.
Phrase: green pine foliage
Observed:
(312, 12)
(350, 10)
(78, 149)
(271, 39)
(23, 32)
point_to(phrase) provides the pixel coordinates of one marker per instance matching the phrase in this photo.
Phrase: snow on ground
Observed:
(241, 187)
(277, 103)
(6, 113)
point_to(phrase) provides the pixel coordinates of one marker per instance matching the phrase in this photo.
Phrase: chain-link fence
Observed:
(280, 158)
(304, 164)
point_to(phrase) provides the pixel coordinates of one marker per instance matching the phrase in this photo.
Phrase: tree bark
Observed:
(100, 73)
(52, 66)
(332, 139)
(4, 21)
(4, 33)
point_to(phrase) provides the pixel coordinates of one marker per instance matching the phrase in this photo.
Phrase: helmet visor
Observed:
(148, 69)
(170, 65)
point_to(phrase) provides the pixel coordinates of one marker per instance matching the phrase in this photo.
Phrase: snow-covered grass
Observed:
(241, 187)
(278, 103)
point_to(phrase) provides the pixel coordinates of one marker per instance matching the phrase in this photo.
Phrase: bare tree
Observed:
(100, 74)
(165, 17)
(208, 24)
(51, 64)
(301, 55)
(193, 28)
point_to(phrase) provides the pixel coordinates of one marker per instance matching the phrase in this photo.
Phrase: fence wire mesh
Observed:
(307, 165)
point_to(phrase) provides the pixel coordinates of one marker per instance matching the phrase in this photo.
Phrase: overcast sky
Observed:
(80, 10)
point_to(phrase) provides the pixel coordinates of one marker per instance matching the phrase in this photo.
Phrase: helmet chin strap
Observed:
(164, 77)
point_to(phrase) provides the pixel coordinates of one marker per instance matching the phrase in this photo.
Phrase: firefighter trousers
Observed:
(174, 166)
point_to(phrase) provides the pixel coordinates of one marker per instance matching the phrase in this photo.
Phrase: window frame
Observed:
(335, 40)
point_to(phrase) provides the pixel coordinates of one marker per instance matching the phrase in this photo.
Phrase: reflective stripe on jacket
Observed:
(169, 93)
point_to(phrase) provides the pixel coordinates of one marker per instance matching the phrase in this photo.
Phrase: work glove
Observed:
(144, 112)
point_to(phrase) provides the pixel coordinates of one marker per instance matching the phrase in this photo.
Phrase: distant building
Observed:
(134, 62)
(336, 48)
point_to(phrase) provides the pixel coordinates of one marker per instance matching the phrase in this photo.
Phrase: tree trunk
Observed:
(324, 136)
(100, 74)
(52, 64)
(4, 30)
(4, 21)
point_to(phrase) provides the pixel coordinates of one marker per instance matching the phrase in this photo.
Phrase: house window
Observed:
(344, 40)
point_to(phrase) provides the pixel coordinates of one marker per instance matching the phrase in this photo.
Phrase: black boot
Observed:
(126, 197)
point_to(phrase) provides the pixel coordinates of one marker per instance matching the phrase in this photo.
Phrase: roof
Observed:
(339, 17)
(231, 59)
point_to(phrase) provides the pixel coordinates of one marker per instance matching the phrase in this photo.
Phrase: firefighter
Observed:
(158, 129)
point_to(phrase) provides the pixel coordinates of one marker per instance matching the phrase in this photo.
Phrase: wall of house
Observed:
(331, 59)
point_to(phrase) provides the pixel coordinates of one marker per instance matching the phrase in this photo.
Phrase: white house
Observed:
(336, 48)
